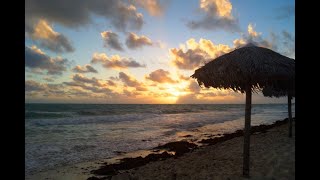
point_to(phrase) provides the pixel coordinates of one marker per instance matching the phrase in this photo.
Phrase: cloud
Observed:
(285, 12)
(114, 78)
(210, 23)
(55, 90)
(253, 37)
(115, 61)
(93, 89)
(127, 80)
(153, 7)
(289, 43)
(160, 76)
(160, 44)
(239, 42)
(141, 88)
(111, 40)
(192, 54)
(76, 13)
(33, 88)
(217, 15)
(288, 37)
(284, 43)
(216, 97)
(86, 69)
(48, 79)
(48, 38)
(131, 82)
(185, 78)
(220, 8)
(35, 59)
(91, 84)
(195, 54)
(187, 99)
(130, 93)
(97, 89)
(188, 60)
(194, 87)
(31, 85)
(82, 79)
(252, 32)
(81, 89)
(111, 83)
(134, 41)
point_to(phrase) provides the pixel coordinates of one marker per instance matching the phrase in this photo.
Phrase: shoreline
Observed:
(124, 163)
(178, 148)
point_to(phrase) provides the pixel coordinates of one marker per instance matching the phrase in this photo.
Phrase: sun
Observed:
(174, 91)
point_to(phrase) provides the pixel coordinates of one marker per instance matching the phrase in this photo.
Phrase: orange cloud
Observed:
(221, 8)
(50, 39)
(209, 47)
(34, 88)
(131, 82)
(217, 15)
(44, 31)
(194, 87)
(86, 69)
(134, 41)
(111, 83)
(89, 84)
(185, 78)
(82, 79)
(239, 42)
(130, 93)
(197, 53)
(253, 37)
(31, 85)
(215, 97)
(115, 61)
(160, 76)
(252, 32)
(188, 60)
(153, 7)
(37, 50)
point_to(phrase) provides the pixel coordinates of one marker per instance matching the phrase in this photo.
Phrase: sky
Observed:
(144, 51)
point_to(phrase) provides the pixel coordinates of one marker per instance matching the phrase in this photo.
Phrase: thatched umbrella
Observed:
(287, 89)
(244, 70)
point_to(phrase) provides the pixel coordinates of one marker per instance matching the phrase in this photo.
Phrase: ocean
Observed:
(65, 134)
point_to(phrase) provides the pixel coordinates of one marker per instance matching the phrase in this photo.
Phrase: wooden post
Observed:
(247, 127)
(290, 114)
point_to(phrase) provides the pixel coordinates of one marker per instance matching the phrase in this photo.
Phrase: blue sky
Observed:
(162, 55)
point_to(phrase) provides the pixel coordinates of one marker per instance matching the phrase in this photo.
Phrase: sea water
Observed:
(64, 134)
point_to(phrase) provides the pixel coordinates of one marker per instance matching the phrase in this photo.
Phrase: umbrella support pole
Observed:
(247, 127)
(290, 114)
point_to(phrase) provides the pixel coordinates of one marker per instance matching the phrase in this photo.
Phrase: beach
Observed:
(272, 156)
(58, 135)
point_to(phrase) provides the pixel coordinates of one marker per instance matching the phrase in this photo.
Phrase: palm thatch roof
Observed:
(272, 92)
(250, 65)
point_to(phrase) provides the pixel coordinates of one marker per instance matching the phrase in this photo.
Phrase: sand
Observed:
(272, 156)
